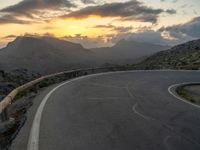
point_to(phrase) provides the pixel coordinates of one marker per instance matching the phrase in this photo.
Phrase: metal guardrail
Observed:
(7, 101)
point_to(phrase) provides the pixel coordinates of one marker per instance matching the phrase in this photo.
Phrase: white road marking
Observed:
(141, 115)
(128, 90)
(172, 92)
(33, 142)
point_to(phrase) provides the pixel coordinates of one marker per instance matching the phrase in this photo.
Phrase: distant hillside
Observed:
(48, 54)
(184, 56)
(128, 52)
(44, 55)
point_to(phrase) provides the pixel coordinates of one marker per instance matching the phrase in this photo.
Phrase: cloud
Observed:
(184, 32)
(27, 7)
(171, 35)
(171, 11)
(118, 29)
(8, 37)
(40, 11)
(2, 44)
(148, 36)
(88, 1)
(131, 10)
(88, 42)
(4, 40)
(9, 19)
(173, 1)
(33, 10)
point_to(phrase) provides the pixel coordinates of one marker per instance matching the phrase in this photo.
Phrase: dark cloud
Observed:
(175, 34)
(27, 7)
(148, 36)
(9, 19)
(37, 10)
(171, 35)
(131, 10)
(88, 1)
(9, 37)
(171, 11)
(119, 29)
(187, 31)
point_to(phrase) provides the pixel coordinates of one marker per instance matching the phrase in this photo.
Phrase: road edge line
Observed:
(172, 88)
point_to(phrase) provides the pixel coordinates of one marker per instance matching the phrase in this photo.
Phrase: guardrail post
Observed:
(4, 115)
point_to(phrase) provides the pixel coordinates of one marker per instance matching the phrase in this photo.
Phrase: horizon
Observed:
(46, 36)
(94, 23)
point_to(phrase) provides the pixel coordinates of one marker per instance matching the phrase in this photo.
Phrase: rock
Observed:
(7, 125)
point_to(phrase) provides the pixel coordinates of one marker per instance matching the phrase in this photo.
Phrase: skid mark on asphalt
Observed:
(128, 90)
(141, 115)
(136, 105)
(170, 128)
(166, 126)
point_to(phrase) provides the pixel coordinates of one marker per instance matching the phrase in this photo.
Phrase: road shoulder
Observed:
(21, 141)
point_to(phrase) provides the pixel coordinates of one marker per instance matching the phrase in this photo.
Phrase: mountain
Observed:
(127, 52)
(183, 56)
(44, 55)
(48, 54)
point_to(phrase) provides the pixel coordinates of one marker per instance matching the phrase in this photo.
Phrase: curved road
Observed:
(121, 111)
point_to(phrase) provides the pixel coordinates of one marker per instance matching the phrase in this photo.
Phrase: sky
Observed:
(99, 23)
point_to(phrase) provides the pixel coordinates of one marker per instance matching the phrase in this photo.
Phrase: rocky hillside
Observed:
(12, 79)
(184, 56)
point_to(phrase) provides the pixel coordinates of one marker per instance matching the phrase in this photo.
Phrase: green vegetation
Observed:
(185, 56)
(183, 93)
(12, 79)
(43, 84)
(190, 93)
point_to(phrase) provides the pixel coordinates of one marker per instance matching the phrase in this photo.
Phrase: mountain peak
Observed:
(60, 43)
(43, 55)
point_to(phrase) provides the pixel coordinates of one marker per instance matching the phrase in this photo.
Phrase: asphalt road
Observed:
(121, 111)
